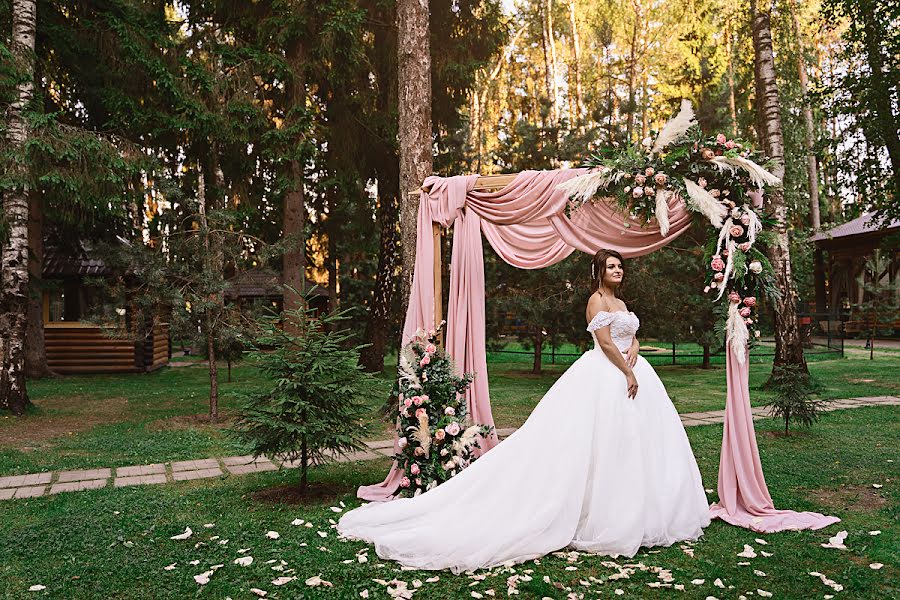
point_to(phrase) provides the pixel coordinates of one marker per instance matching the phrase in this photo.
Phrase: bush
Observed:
(793, 401)
(314, 411)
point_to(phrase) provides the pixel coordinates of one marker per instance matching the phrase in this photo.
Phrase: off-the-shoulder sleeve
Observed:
(601, 319)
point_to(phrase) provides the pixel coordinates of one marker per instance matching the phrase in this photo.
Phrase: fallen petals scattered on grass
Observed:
(284, 580)
(748, 552)
(875, 566)
(273, 535)
(37, 588)
(259, 592)
(170, 567)
(244, 561)
(183, 536)
(837, 541)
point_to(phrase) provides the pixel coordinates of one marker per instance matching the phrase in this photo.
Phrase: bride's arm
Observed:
(615, 356)
(632, 355)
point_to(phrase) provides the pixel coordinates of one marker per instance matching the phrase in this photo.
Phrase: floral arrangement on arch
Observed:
(717, 177)
(435, 438)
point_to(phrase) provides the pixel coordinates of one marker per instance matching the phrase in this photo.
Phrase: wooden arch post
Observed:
(483, 183)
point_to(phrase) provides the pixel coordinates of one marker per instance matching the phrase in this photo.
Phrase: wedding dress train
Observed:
(591, 469)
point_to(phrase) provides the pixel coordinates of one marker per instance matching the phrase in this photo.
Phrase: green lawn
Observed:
(117, 420)
(115, 543)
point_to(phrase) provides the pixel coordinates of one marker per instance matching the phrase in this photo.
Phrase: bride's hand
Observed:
(632, 385)
(631, 355)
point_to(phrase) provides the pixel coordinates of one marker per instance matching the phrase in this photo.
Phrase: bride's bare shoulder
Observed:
(596, 303)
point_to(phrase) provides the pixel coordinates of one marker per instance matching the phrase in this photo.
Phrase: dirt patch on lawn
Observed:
(316, 493)
(59, 417)
(853, 497)
(186, 422)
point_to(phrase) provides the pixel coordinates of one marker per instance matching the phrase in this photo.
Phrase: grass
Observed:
(119, 420)
(114, 543)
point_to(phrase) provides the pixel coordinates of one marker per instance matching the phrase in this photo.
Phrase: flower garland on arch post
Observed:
(434, 434)
(717, 177)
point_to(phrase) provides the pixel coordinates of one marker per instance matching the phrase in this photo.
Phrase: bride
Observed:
(602, 465)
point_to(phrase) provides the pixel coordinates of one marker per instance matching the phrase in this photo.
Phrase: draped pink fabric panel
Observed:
(526, 225)
(744, 498)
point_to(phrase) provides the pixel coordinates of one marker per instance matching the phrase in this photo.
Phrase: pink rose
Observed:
(414, 469)
(660, 179)
(449, 411)
(404, 483)
(706, 290)
(439, 435)
(431, 348)
(745, 246)
(425, 398)
(419, 482)
(730, 144)
(649, 191)
(707, 154)
(408, 402)
(649, 171)
(734, 297)
(745, 219)
(717, 263)
(639, 179)
(424, 376)
(419, 451)
(720, 139)
(431, 334)
(425, 360)
(402, 443)
(417, 400)
(701, 182)
(736, 231)
(749, 321)
(719, 277)
(452, 428)
(637, 192)
(420, 412)
(715, 193)
(744, 312)
(750, 301)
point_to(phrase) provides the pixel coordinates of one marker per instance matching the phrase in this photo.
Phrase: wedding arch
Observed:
(530, 223)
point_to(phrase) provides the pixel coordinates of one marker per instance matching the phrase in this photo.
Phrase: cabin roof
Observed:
(863, 225)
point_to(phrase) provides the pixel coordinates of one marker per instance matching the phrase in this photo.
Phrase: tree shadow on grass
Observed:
(316, 493)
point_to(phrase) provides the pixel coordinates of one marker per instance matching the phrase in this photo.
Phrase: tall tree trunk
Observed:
(645, 106)
(414, 104)
(212, 260)
(35, 349)
(729, 51)
(788, 346)
(576, 64)
(14, 255)
(331, 231)
(551, 44)
(549, 71)
(294, 224)
(387, 171)
(536, 366)
(632, 69)
(882, 91)
(812, 170)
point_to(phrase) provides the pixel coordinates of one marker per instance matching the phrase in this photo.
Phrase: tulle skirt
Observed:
(591, 469)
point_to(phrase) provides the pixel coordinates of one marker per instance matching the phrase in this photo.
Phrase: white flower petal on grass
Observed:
(761, 541)
(297, 522)
(875, 566)
(283, 580)
(37, 588)
(183, 536)
(362, 558)
(877, 486)
(837, 541)
(476, 595)
(619, 592)
(322, 534)
(748, 552)
(711, 598)
(758, 573)
(195, 562)
(223, 542)
(364, 594)
(308, 525)
(718, 583)
(432, 580)
(273, 535)
(209, 525)
(244, 561)
(744, 564)
(203, 578)
(259, 592)
(336, 509)
(170, 567)
(679, 587)
(830, 583)
(876, 532)
(698, 581)
(764, 553)
(490, 593)
(315, 581)
(764, 593)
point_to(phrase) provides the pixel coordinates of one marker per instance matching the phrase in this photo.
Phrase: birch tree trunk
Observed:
(788, 347)
(294, 218)
(576, 64)
(549, 70)
(14, 256)
(632, 69)
(812, 169)
(414, 105)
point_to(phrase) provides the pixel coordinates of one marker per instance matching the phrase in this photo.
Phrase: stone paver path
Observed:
(33, 485)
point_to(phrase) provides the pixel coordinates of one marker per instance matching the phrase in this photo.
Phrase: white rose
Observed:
(756, 267)
(646, 142)
(756, 333)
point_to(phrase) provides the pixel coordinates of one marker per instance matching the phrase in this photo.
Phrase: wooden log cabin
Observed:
(840, 258)
(75, 346)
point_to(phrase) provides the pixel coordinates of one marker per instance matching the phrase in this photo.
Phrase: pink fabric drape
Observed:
(744, 498)
(526, 225)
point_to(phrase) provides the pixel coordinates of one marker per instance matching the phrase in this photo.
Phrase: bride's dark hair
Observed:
(598, 267)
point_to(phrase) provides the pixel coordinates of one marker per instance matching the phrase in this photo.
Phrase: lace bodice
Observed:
(622, 327)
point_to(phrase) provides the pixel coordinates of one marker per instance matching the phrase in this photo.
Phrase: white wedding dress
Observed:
(591, 469)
